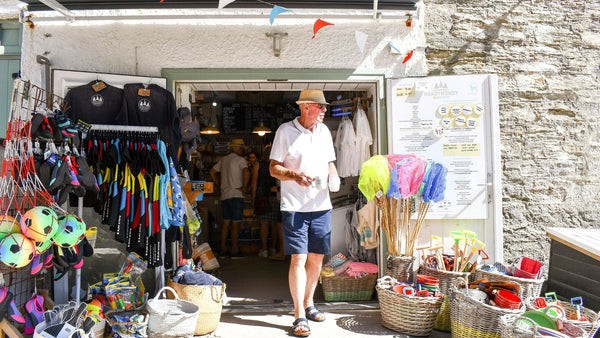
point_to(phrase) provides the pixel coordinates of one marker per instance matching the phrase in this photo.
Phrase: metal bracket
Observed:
(276, 42)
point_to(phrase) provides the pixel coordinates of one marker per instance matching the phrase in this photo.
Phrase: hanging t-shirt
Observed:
(346, 152)
(96, 103)
(364, 138)
(152, 106)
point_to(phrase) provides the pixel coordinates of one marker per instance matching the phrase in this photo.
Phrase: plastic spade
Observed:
(456, 236)
(476, 246)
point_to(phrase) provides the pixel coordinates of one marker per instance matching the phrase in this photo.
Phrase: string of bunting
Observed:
(360, 37)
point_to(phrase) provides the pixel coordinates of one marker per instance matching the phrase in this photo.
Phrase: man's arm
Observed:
(334, 178)
(277, 170)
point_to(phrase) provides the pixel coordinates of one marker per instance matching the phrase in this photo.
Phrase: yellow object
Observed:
(327, 272)
(91, 234)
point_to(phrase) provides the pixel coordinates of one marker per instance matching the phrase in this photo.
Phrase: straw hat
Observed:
(312, 96)
(237, 142)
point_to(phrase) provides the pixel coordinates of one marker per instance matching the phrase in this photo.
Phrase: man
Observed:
(302, 158)
(234, 180)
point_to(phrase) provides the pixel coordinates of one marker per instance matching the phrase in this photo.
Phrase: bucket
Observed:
(91, 234)
(209, 261)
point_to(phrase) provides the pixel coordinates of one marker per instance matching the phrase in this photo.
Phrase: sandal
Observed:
(300, 328)
(313, 314)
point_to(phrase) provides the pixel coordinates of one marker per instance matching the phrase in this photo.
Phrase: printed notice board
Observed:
(446, 119)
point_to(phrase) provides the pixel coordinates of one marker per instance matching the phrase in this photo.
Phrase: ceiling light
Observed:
(261, 130)
(210, 130)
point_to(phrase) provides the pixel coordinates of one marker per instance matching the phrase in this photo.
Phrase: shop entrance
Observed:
(235, 109)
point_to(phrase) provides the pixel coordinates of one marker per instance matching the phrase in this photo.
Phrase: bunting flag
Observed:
(223, 3)
(408, 56)
(276, 11)
(361, 40)
(318, 25)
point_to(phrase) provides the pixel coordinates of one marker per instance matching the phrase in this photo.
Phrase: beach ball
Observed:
(8, 225)
(16, 250)
(71, 231)
(39, 223)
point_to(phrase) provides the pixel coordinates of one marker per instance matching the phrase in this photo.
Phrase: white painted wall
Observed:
(143, 42)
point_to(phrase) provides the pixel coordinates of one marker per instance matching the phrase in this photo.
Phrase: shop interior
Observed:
(254, 114)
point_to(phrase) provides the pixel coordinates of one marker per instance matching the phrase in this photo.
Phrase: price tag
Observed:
(83, 127)
(98, 86)
(143, 92)
(405, 91)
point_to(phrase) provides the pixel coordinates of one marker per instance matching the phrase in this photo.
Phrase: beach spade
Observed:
(64, 330)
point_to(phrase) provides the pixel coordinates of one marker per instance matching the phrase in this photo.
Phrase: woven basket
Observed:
(447, 279)
(347, 288)
(471, 318)
(208, 298)
(400, 267)
(530, 288)
(590, 327)
(510, 329)
(410, 315)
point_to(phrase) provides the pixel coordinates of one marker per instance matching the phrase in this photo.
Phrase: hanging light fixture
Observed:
(209, 130)
(261, 130)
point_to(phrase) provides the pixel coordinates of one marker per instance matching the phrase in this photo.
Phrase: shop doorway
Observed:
(235, 109)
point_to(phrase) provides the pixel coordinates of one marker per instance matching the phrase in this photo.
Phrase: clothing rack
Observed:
(62, 284)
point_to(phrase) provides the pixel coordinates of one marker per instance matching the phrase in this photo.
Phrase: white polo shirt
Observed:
(300, 149)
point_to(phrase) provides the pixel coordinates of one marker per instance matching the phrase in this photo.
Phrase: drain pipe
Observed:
(42, 60)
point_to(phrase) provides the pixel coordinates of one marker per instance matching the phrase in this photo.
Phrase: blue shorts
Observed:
(233, 209)
(305, 232)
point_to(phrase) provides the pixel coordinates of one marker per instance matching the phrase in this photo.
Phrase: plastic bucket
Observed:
(209, 261)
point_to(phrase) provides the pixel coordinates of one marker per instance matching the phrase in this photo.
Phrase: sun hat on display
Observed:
(311, 96)
(237, 142)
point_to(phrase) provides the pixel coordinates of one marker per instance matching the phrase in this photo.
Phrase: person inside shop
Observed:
(233, 182)
(266, 205)
(302, 157)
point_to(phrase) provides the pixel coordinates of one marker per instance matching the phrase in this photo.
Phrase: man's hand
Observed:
(303, 179)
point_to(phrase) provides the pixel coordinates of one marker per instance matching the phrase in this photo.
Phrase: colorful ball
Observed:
(39, 224)
(71, 231)
(41, 247)
(16, 250)
(8, 225)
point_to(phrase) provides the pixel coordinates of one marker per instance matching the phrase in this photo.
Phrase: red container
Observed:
(507, 299)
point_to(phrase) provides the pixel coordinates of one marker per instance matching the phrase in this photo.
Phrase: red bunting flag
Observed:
(408, 56)
(318, 25)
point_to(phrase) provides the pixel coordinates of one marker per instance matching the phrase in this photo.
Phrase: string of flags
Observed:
(360, 37)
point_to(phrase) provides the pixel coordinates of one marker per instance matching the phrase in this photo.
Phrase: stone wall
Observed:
(547, 58)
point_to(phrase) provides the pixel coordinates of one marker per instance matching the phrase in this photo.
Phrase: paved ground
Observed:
(343, 320)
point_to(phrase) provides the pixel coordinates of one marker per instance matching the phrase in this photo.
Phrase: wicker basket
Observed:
(346, 288)
(126, 329)
(590, 327)
(471, 318)
(447, 279)
(530, 288)
(509, 328)
(410, 315)
(400, 267)
(208, 298)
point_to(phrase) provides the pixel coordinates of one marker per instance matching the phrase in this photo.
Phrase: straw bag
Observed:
(400, 267)
(511, 327)
(410, 315)
(590, 327)
(171, 317)
(530, 288)
(447, 279)
(347, 288)
(470, 318)
(209, 299)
